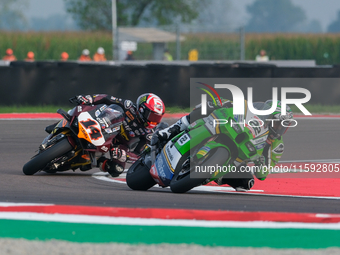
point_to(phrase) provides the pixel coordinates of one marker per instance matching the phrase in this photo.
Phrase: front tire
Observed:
(42, 159)
(183, 183)
(138, 177)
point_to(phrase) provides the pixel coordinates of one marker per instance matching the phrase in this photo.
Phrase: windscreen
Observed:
(111, 115)
(262, 106)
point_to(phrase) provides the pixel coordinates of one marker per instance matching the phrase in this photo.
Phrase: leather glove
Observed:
(119, 154)
(156, 138)
(84, 99)
(260, 161)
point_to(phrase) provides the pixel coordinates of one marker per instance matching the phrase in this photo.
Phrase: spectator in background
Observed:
(64, 56)
(129, 56)
(30, 56)
(100, 55)
(167, 56)
(262, 57)
(193, 55)
(85, 56)
(9, 56)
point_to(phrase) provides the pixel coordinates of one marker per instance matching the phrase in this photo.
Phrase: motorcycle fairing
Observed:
(160, 171)
(172, 155)
(90, 130)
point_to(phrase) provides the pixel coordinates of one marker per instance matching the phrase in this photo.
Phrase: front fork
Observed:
(210, 146)
(50, 140)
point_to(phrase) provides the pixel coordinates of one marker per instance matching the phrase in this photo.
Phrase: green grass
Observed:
(207, 236)
(176, 109)
(317, 108)
(54, 108)
(32, 109)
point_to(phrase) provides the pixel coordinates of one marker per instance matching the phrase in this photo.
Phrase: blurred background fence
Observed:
(212, 42)
(211, 45)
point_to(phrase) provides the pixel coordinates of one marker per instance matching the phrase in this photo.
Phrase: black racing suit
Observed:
(133, 136)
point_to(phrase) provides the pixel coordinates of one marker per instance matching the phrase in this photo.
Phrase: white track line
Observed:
(10, 204)
(73, 218)
(218, 189)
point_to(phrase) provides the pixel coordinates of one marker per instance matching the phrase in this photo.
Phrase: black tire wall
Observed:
(41, 83)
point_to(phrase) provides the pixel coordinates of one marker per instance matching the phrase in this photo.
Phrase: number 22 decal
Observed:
(256, 126)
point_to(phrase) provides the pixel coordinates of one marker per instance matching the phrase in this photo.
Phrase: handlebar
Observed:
(73, 100)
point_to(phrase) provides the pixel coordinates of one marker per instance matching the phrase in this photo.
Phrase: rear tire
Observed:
(138, 176)
(182, 184)
(42, 159)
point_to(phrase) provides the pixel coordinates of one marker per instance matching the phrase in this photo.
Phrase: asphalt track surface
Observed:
(310, 140)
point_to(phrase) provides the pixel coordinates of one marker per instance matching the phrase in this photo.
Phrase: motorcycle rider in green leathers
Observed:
(273, 146)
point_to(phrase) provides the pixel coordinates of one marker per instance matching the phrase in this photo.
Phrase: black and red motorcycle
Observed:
(84, 134)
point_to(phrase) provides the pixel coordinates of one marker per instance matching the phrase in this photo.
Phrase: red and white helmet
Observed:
(150, 109)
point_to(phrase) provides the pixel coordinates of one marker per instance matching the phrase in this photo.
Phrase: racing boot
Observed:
(171, 131)
(243, 184)
(112, 167)
(240, 181)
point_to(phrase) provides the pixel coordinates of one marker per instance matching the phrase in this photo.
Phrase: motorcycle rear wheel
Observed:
(182, 184)
(138, 177)
(41, 160)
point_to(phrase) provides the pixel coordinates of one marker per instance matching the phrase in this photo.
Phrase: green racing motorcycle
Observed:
(210, 148)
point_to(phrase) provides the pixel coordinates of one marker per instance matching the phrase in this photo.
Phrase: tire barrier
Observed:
(50, 82)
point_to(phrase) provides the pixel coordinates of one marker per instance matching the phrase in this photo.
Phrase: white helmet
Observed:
(100, 50)
(86, 52)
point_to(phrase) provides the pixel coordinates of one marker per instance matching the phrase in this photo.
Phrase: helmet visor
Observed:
(151, 117)
(281, 127)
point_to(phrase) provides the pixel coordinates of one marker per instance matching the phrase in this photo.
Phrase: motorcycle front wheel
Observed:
(41, 160)
(182, 183)
(138, 176)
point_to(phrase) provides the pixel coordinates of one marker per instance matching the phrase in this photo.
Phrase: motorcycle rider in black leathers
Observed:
(140, 119)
